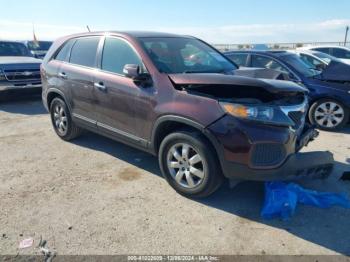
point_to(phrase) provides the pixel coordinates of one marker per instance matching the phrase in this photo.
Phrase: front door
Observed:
(116, 94)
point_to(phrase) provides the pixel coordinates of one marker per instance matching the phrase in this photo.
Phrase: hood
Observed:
(336, 71)
(216, 80)
(18, 60)
(19, 63)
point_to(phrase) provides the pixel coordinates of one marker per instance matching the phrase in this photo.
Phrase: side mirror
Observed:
(131, 71)
(321, 67)
(134, 72)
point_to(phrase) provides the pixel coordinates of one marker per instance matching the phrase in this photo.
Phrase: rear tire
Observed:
(328, 114)
(189, 164)
(62, 121)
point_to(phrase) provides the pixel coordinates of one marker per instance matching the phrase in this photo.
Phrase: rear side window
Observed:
(84, 51)
(323, 50)
(239, 59)
(341, 53)
(63, 54)
(116, 54)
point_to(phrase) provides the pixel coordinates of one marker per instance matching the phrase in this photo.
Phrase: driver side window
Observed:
(314, 63)
(268, 63)
(116, 54)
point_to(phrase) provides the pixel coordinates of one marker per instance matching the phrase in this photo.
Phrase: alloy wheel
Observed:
(186, 165)
(60, 119)
(329, 114)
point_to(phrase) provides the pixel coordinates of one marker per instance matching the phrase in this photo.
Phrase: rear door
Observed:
(78, 76)
(120, 103)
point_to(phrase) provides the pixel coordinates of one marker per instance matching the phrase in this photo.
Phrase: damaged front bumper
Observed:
(311, 164)
(307, 136)
(265, 153)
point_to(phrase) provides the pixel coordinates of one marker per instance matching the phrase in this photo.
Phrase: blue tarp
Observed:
(282, 198)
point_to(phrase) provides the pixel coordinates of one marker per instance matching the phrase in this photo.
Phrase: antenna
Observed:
(88, 28)
(346, 35)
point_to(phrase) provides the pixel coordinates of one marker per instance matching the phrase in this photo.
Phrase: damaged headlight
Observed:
(266, 114)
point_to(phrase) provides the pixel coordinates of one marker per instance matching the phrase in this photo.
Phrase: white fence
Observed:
(228, 47)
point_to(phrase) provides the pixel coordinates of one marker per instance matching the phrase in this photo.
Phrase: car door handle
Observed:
(63, 75)
(100, 86)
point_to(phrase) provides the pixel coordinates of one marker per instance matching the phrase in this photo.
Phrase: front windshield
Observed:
(13, 49)
(299, 65)
(41, 45)
(177, 55)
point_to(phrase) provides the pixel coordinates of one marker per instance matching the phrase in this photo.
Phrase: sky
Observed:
(215, 21)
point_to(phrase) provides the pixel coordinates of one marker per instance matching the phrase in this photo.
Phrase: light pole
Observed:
(346, 35)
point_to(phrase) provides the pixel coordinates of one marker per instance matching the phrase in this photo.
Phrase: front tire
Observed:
(189, 164)
(62, 121)
(329, 114)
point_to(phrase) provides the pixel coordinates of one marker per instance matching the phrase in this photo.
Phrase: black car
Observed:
(19, 70)
(329, 98)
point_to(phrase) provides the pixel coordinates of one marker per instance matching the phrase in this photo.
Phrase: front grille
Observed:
(267, 154)
(297, 117)
(22, 75)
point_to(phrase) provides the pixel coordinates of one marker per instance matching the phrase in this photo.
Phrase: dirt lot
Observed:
(97, 196)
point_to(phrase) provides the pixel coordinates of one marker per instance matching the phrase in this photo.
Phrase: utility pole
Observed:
(346, 35)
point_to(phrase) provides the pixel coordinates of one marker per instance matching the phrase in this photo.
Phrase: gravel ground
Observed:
(97, 196)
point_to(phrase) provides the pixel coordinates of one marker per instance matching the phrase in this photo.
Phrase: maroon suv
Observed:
(178, 98)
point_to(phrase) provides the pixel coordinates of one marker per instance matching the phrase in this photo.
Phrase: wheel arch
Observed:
(52, 94)
(325, 96)
(170, 123)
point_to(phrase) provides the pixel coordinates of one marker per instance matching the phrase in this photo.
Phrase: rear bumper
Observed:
(249, 151)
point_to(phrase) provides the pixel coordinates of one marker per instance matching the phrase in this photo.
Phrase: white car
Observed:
(312, 58)
(340, 52)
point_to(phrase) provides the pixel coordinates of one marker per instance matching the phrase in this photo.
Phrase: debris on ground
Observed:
(281, 199)
(25, 243)
(48, 254)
